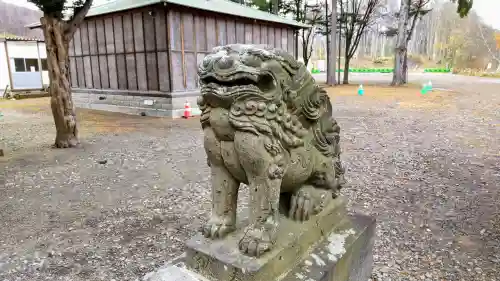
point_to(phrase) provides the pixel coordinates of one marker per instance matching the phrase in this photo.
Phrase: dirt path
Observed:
(426, 166)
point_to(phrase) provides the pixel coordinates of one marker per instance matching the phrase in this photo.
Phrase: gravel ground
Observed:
(427, 168)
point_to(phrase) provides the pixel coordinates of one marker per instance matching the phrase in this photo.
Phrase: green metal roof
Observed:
(217, 6)
(235, 9)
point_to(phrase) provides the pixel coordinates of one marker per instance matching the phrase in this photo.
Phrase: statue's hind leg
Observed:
(308, 201)
(224, 191)
(311, 198)
(264, 171)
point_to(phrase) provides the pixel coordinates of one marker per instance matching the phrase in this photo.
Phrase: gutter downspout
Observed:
(8, 66)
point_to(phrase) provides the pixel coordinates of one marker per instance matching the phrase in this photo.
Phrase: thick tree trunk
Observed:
(63, 110)
(401, 45)
(398, 77)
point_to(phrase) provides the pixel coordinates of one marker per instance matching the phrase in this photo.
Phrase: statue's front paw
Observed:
(217, 228)
(255, 242)
(258, 239)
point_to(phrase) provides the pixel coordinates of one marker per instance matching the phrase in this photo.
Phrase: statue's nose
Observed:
(225, 62)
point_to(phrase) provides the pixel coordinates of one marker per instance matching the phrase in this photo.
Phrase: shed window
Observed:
(32, 65)
(45, 67)
(20, 66)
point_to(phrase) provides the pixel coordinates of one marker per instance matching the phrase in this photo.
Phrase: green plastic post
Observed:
(424, 89)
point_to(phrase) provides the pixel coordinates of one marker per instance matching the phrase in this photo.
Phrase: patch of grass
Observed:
(96, 121)
(37, 104)
(408, 96)
(388, 62)
(476, 72)
(89, 121)
(382, 61)
(375, 91)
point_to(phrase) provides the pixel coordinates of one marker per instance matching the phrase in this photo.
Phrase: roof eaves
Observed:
(112, 7)
(25, 39)
(20, 38)
(103, 9)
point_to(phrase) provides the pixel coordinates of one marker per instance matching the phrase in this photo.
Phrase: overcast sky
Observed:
(487, 9)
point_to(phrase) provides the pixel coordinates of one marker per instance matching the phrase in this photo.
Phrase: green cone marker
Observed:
(424, 89)
(361, 91)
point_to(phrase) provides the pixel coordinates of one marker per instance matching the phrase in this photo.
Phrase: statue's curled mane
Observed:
(301, 107)
(304, 99)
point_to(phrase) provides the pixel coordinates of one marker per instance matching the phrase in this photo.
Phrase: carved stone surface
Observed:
(268, 125)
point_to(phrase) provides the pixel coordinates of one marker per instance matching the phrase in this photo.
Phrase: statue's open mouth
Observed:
(240, 81)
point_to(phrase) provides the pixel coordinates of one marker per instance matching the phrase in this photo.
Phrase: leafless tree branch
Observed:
(77, 18)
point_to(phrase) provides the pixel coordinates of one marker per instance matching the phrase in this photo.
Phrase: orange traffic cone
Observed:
(187, 110)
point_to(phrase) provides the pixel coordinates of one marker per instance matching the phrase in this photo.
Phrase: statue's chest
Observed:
(219, 122)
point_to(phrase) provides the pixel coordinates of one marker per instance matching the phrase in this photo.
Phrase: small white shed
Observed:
(23, 64)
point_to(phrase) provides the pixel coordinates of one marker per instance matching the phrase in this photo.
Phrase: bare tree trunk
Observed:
(398, 77)
(346, 70)
(57, 43)
(405, 68)
(332, 47)
(305, 53)
(275, 6)
(409, 35)
(401, 45)
(384, 39)
(347, 59)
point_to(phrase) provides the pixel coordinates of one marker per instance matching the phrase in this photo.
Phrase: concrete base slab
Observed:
(345, 255)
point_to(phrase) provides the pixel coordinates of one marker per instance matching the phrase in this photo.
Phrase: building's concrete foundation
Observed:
(151, 104)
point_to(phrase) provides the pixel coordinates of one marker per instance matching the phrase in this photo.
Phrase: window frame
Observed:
(16, 61)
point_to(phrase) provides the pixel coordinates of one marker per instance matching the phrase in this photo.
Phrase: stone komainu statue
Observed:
(268, 125)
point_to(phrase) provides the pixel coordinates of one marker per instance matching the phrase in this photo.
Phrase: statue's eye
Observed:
(206, 61)
(250, 60)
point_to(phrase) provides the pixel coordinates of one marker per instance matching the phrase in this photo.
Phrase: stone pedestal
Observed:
(222, 260)
(344, 254)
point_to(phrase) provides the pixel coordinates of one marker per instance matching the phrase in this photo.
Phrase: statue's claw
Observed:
(217, 228)
(301, 206)
(255, 242)
(307, 202)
